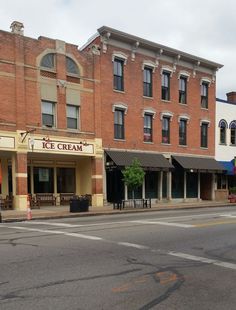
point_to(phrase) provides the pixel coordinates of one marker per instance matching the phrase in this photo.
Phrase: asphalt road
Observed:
(155, 260)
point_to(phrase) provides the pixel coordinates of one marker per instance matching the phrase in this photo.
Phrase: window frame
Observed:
(71, 61)
(222, 132)
(183, 132)
(183, 89)
(48, 68)
(165, 85)
(233, 133)
(147, 81)
(204, 135)
(165, 133)
(53, 115)
(119, 128)
(148, 128)
(118, 79)
(72, 118)
(204, 94)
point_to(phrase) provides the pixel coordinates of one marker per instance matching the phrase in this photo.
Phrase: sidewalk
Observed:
(51, 212)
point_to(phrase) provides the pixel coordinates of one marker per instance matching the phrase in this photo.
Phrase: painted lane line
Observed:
(134, 245)
(203, 260)
(165, 223)
(56, 232)
(207, 224)
(228, 215)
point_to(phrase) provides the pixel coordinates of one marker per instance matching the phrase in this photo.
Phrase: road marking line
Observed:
(165, 223)
(228, 215)
(134, 245)
(203, 260)
(57, 232)
(215, 223)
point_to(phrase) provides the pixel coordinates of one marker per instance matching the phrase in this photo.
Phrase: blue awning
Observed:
(229, 166)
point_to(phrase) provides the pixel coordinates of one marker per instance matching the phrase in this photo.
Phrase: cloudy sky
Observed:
(204, 28)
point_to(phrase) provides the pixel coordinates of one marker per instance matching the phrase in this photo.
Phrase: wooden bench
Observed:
(132, 203)
(46, 199)
(6, 203)
(65, 198)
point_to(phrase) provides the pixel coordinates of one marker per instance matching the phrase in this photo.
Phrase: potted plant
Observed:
(232, 195)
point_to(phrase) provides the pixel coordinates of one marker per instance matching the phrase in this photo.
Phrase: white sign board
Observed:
(61, 147)
(7, 142)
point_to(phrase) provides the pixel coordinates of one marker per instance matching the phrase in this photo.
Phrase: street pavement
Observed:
(176, 259)
(49, 212)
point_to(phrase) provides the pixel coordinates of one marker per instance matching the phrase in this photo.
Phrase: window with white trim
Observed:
(147, 82)
(223, 127)
(147, 129)
(204, 94)
(182, 132)
(204, 134)
(118, 74)
(48, 113)
(119, 125)
(232, 127)
(72, 114)
(183, 89)
(166, 129)
(165, 85)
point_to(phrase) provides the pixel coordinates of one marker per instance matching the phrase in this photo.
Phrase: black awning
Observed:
(202, 164)
(149, 161)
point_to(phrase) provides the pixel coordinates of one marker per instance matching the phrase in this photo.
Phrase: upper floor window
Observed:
(223, 126)
(48, 61)
(165, 129)
(118, 74)
(204, 134)
(147, 129)
(119, 126)
(183, 132)
(147, 82)
(232, 127)
(183, 90)
(72, 113)
(71, 66)
(204, 95)
(165, 85)
(48, 113)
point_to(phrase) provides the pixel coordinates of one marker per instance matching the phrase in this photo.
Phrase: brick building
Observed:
(158, 105)
(49, 138)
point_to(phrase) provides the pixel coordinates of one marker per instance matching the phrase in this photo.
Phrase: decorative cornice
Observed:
(105, 40)
(184, 73)
(150, 64)
(149, 111)
(120, 106)
(167, 114)
(134, 50)
(121, 55)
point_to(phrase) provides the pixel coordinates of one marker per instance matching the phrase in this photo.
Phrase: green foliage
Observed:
(232, 190)
(133, 175)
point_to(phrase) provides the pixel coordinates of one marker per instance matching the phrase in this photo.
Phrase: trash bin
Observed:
(79, 204)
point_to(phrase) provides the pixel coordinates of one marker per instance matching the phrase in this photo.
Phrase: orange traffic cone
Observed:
(29, 213)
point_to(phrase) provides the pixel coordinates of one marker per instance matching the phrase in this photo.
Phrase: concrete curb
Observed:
(110, 212)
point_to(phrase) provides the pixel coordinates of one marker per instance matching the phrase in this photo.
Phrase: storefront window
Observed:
(66, 180)
(151, 184)
(43, 180)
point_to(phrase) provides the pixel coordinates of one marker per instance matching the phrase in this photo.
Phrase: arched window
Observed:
(223, 126)
(71, 66)
(232, 127)
(48, 61)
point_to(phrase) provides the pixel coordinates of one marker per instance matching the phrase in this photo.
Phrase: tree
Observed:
(133, 175)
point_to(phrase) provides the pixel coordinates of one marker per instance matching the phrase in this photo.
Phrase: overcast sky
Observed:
(205, 28)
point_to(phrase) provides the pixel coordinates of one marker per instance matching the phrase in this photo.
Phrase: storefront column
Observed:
(169, 187)
(4, 167)
(55, 184)
(126, 192)
(185, 185)
(19, 177)
(97, 182)
(198, 186)
(143, 189)
(213, 187)
(160, 180)
(32, 179)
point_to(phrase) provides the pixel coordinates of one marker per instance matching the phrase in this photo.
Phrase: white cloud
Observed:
(204, 28)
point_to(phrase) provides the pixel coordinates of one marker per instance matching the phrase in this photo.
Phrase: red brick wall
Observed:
(133, 98)
(20, 99)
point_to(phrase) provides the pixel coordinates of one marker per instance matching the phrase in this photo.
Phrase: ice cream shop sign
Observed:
(47, 145)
